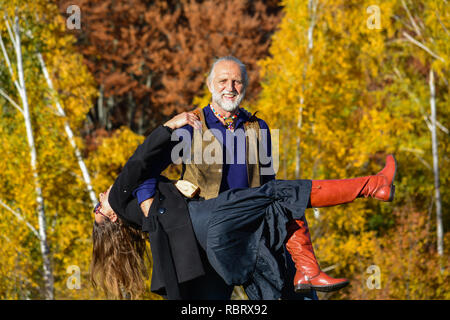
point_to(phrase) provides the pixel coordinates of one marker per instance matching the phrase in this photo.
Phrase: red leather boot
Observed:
(326, 193)
(308, 275)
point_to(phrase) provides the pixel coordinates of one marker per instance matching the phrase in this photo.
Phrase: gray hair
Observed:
(229, 58)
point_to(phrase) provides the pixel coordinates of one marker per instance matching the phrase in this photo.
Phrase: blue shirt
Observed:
(234, 172)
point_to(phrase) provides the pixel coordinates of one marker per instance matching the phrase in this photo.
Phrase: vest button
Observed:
(161, 210)
(220, 170)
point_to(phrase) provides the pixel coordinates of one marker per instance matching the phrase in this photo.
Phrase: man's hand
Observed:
(183, 119)
(145, 206)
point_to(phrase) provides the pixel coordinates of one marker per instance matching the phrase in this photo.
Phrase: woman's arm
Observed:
(146, 160)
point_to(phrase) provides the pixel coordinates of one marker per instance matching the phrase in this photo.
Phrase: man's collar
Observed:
(243, 116)
(209, 115)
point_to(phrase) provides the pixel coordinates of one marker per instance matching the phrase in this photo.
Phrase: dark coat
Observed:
(242, 230)
(243, 233)
(175, 252)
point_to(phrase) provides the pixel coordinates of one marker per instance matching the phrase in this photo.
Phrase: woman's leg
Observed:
(326, 193)
(210, 286)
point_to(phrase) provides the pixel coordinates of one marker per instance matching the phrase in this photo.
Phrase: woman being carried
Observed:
(242, 232)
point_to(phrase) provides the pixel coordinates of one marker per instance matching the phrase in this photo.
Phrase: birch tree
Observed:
(425, 36)
(437, 184)
(68, 207)
(15, 38)
(312, 12)
(69, 133)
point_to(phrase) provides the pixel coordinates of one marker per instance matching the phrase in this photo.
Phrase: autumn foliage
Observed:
(150, 58)
(345, 92)
(343, 88)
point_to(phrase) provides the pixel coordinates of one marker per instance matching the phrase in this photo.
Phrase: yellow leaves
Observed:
(203, 100)
(409, 269)
(364, 94)
(107, 161)
(67, 210)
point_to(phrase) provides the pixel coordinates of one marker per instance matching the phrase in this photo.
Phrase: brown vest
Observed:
(208, 174)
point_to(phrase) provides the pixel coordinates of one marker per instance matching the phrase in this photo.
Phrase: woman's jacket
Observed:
(175, 252)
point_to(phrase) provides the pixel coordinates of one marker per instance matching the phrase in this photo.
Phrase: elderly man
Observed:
(227, 82)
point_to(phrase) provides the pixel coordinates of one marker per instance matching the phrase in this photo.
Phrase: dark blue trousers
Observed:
(212, 287)
(242, 234)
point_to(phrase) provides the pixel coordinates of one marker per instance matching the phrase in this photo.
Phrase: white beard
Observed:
(228, 106)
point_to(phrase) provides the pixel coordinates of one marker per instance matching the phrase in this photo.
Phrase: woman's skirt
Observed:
(243, 232)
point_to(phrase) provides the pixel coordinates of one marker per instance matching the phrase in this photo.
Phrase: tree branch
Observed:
(69, 132)
(421, 45)
(416, 27)
(11, 35)
(440, 21)
(330, 268)
(5, 95)
(417, 153)
(438, 124)
(5, 54)
(21, 218)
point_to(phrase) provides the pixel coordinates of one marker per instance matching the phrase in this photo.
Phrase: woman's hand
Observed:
(145, 206)
(183, 119)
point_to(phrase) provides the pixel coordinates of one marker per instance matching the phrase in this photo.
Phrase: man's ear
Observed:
(209, 84)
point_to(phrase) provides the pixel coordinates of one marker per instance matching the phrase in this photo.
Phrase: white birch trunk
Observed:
(434, 145)
(298, 153)
(45, 251)
(70, 135)
(312, 9)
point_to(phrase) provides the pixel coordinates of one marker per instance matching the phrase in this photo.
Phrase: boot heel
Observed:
(303, 287)
(391, 196)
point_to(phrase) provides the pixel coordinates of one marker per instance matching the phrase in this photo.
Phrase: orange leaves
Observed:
(153, 57)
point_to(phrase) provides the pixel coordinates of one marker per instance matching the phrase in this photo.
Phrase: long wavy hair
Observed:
(118, 260)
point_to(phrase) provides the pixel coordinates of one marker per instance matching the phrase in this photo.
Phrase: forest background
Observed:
(346, 82)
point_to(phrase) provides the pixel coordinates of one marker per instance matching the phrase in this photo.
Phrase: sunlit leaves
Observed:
(353, 94)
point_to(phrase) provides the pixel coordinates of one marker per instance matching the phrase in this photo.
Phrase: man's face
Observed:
(227, 85)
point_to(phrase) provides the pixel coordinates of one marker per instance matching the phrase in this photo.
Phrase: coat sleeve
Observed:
(145, 162)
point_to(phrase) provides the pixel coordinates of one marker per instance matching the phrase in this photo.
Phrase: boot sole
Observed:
(331, 287)
(302, 288)
(391, 195)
